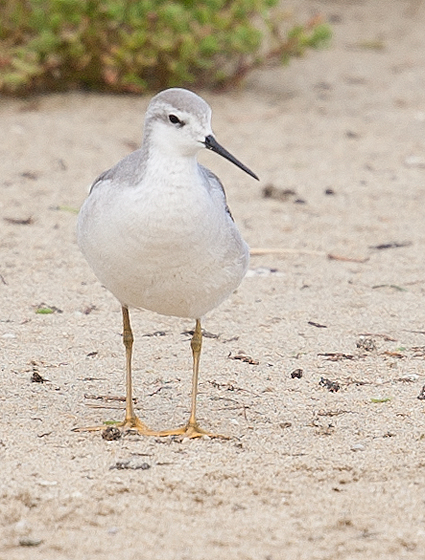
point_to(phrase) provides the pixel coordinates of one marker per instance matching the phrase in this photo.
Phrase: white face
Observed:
(178, 124)
(176, 131)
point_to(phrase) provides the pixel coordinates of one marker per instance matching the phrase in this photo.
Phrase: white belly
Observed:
(177, 256)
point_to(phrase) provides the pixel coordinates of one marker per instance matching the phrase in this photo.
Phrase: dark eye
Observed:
(175, 120)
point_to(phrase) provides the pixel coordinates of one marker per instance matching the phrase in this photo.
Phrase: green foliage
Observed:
(300, 38)
(135, 45)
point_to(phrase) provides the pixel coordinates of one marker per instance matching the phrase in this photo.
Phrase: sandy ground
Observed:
(329, 465)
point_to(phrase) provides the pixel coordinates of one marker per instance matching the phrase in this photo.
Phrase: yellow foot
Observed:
(190, 431)
(132, 423)
(136, 424)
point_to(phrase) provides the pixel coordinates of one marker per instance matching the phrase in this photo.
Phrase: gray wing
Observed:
(127, 171)
(214, 182)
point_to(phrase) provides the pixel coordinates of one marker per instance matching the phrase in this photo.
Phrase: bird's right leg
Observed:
(131, 420)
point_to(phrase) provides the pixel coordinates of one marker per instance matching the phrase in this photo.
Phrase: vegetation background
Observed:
(134, 46)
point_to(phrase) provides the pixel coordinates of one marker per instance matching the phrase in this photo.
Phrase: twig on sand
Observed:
(280, 251)
(284, 251)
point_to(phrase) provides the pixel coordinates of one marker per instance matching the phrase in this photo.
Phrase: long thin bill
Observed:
(212, 144)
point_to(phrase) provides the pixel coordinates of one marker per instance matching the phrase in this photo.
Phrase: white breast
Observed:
(173, 249)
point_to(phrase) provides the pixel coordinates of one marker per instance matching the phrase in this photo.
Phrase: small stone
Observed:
(414, 161)
(8, 335)
(37, 378)
(366, 343)
(29, 542)
(331, 386)
(421, 395)
(47, 482)
(111, 433)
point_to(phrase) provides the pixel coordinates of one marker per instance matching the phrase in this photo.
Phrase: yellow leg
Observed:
(131, 421)
(191, 429)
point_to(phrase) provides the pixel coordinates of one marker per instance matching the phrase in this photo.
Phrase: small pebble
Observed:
(111, 433)
(414, 161)
(8, 335)
(297, 374)
(22, 526)
(29, 542)
(421, 395)
(366, 343)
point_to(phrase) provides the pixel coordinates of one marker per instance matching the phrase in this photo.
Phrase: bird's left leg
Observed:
(191, 429)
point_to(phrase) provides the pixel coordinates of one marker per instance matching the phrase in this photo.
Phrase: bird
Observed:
(158, 233)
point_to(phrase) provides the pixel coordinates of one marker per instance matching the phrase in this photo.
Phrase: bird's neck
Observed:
(176, 168)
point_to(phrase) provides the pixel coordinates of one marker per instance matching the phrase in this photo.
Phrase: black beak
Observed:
(212, 144)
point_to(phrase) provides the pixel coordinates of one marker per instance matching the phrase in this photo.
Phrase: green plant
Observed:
(135, 45)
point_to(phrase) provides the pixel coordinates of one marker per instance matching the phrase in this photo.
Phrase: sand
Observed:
(326, 456)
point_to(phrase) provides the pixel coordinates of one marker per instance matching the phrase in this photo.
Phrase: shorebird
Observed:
(158, 233)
